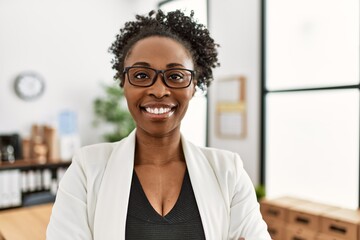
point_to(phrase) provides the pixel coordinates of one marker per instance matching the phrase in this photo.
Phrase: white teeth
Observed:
(158, 110)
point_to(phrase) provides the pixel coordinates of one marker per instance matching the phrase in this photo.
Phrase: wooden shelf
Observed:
(28, 164)
(29, 182)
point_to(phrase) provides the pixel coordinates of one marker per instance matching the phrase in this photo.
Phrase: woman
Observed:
(154, 184)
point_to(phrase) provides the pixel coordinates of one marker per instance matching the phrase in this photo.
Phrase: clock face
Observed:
(29, 86)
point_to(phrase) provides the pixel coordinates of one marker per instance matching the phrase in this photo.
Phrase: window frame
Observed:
(264, 92)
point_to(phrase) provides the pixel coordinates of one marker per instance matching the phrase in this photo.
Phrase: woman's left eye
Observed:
(175, 76)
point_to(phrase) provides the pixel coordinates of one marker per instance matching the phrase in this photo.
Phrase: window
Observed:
(310, 123)
(194, 124)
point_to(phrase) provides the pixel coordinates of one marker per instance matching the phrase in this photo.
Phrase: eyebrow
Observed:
(170, 65)
(141, 64)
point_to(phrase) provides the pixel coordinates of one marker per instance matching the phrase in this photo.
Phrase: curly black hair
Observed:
(176, 25)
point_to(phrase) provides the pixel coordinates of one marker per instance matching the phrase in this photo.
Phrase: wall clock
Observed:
(29, 86)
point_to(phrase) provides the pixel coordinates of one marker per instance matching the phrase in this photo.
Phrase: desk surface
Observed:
(27, 223)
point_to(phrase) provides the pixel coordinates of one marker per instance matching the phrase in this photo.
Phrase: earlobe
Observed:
(194, 88)
(200, 90)
(122, 82)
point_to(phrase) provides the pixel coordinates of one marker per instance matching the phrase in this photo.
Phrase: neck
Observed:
(158, 150)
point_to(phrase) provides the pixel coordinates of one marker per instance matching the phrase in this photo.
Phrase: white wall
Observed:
(66, 42)
(235, 25)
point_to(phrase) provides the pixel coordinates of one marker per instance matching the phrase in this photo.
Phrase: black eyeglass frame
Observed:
(126, 71)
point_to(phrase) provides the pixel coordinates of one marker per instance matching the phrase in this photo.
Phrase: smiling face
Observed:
(158, 109)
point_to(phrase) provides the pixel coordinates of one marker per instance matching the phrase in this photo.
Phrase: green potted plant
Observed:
(260, 192)
(111, 109)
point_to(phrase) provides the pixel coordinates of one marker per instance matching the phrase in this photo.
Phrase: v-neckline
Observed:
(166, 216)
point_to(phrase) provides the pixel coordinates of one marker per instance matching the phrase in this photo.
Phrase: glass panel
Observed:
(312, 43)
(194, 124)
(199, 7)
(312, 146)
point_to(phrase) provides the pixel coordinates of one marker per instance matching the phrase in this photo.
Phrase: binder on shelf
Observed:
(46, 176)
(2, 188)
(15, 189)
(6, 189)
(24, 183)
(10, 188)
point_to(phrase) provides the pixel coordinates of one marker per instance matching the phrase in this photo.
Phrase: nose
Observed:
(159, 89)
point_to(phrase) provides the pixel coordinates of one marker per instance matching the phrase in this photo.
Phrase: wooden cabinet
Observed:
(291, 219)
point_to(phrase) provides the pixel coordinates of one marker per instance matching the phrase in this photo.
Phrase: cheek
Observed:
(193, 90)
(188, 96)
(129, 97)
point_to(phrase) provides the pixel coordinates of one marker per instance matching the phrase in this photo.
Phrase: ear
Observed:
(194, 87)
(122, 82)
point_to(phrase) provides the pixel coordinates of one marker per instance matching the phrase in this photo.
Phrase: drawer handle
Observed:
(297, 238)
(302, 220)
(273, 212)
(338, 229)
(272, 231)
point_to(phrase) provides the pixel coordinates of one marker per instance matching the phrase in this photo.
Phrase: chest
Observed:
(161, 185)
(183, 221)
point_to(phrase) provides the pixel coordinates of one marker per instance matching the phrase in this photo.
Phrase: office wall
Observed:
(235, 25)
(66, 42)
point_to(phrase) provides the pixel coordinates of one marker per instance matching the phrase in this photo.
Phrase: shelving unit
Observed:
(26, 183)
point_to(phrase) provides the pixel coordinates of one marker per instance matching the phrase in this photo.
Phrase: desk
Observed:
(28, 223)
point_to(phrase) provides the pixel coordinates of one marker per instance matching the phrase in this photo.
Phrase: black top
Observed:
(182, 222)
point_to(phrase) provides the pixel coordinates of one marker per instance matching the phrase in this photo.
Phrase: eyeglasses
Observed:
(146, 76)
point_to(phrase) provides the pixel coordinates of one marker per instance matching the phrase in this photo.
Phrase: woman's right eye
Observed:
(141, 75)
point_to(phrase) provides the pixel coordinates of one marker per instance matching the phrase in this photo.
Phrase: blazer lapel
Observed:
(111, 208)
(112, 203)
(207, 192)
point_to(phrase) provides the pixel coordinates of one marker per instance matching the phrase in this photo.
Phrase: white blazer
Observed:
(92, 198)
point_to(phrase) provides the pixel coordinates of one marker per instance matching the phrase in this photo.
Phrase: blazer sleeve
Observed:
(246, 221)
(69, 214)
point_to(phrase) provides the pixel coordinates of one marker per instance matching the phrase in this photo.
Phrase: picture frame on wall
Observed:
(231, 118)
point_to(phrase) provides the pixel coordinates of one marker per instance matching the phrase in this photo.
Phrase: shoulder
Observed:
(220, 158)
(97, 150)
(217, 153)
(223, 163)
(96, 154)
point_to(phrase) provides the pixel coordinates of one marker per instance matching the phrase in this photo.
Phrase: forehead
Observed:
(159, 51)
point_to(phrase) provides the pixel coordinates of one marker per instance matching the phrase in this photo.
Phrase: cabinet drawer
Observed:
(299, 233)
(277, 209)
(341, 223)
(277, 230)
(308, 215)
(322, 236)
